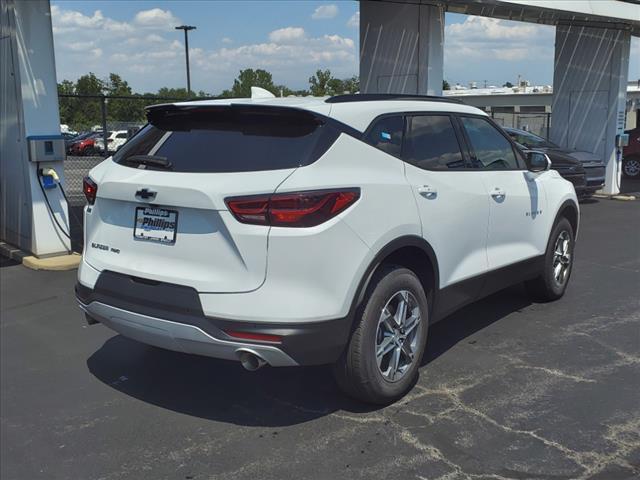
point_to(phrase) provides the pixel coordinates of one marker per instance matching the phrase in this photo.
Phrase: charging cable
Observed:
(50, 173)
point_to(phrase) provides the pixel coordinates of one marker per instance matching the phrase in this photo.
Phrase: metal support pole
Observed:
(548, 124)
(105, 134)
(186, 51)
(186, 29)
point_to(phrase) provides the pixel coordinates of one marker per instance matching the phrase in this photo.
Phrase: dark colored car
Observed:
(631, 155)
(569, 163)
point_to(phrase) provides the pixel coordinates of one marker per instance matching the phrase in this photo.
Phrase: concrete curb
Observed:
(60, 262)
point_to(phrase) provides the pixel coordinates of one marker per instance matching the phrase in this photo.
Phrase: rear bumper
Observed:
(170, 316)
(179, 337)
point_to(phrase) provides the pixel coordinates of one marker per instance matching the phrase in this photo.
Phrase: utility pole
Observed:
(186, 29)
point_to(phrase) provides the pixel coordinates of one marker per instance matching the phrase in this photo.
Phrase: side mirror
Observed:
(538, 161)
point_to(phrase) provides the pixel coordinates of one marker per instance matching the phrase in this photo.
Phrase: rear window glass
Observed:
(229, 139)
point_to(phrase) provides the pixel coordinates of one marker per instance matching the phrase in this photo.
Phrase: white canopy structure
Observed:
(401, 51)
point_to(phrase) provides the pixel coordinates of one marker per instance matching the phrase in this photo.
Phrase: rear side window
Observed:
(230, 138)
(431, 143)
(492, 150)
(386, 134)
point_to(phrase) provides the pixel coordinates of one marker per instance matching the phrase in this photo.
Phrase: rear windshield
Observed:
(228, 139)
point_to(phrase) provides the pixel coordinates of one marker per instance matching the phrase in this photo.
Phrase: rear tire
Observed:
(380, 363)
(558, 262)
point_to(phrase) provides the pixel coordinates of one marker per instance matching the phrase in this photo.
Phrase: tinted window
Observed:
(492, 150)
(121, 135)
(231, 139)
(529, 140)
(431, 143)
(386, 135)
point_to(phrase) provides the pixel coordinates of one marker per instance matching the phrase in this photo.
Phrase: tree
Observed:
(87, 111)
(508, 85)
(352, 85)
(445, 85)
(320, 83)
(123, 110)
(67, 105)
(174, 93)
(250, 78)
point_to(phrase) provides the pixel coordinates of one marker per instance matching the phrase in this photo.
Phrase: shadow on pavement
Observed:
(223, 391)
(628, 185)
(77, 227)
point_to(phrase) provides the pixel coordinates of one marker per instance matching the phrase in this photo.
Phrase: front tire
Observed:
(380, 363)
(558, 262)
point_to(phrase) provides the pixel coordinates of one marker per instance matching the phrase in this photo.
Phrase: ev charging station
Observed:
(34, 212)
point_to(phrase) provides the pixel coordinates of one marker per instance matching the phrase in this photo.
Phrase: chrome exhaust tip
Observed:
(250, 361)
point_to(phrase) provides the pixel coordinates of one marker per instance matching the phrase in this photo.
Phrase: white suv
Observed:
(310, 231)
(115, 140)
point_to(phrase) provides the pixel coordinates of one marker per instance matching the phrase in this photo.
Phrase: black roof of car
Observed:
(369, 97)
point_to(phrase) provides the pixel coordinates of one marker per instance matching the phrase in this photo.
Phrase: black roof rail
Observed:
(371, 97)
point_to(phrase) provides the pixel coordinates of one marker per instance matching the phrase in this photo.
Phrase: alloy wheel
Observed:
(632, 167)
(397, 335)
(562, 258)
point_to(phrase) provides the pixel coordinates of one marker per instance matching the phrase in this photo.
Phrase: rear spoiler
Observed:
(241, 117)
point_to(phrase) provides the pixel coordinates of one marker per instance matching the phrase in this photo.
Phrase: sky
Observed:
(291, 39)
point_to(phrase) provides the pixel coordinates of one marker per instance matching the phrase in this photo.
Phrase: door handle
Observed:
(498, 193)
(427, 191)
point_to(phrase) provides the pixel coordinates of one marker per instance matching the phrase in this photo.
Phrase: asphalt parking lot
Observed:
(508, 390)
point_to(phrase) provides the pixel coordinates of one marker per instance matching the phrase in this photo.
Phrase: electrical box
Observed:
(46, 148)
(622, 140)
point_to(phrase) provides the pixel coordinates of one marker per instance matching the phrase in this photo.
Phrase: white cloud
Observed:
(149, 54)
(324, 12)
(287, 35)
(306, 54)
(490, 38)
(354, 20)
(80, 46)
(154, 38)
(156, 18)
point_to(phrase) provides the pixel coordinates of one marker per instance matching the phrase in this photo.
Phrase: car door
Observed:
(516, 196)
(452, 203)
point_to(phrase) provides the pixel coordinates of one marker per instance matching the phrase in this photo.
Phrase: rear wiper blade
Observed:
(150, 160)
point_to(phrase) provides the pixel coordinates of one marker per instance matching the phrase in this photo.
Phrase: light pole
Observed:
(186, 29)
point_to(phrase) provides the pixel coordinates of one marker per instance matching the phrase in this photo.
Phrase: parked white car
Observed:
(308, 231)
(115, 140)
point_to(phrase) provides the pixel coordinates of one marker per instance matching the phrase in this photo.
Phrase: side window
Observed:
(432, 144)
(121, 135)
(386, 135)
(492, 150)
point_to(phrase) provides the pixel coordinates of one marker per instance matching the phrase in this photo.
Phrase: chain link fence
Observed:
(537, 123)
(89, 122)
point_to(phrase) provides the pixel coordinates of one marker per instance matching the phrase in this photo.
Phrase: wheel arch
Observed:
(569, 210)
(410, 251)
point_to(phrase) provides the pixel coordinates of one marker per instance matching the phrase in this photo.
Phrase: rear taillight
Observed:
(298, 209)
(90, 190)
